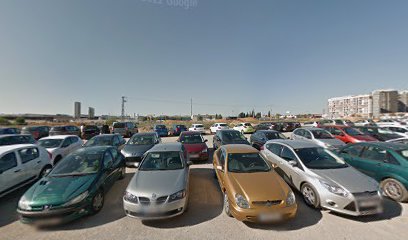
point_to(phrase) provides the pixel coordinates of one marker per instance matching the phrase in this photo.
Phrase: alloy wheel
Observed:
(393, 190)
(97, 202)
(309, 195)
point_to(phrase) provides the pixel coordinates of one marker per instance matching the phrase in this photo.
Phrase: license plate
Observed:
(194, 156)
(368, 203)
(269, 217)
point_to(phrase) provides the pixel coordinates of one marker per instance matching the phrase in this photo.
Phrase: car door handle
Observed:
(39, 161)
(16, 171)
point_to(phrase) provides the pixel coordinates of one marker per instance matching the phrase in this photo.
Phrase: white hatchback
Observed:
(197, 128)
(218, 126)
(59, 146)
(20, 165)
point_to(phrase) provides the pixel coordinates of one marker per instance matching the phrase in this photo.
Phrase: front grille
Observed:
(133, 159)
(163, 214)
(351, 207)
(144, 200)
(365, 194)
(148, 201)
(267, 203)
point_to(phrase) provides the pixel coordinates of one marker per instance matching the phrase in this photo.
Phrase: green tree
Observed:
(241, 115)
(4, 121)
(20, 121)
(258, 115)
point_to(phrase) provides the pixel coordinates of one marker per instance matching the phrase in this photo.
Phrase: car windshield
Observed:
(118, 125)
(10, 140)
(232, 135)
(321, 134)
(155, 161)
(160, 127)
(338, 122)
(99, 141)
(319, 158)
(85, 162)
(274, 135)
(191, 138)
(352, 131)
(248, 124)
(142, 140)
(90, 128)
(50, 143)
(246, 163)
(58, 129)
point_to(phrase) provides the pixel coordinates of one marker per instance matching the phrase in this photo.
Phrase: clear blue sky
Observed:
(227, 55)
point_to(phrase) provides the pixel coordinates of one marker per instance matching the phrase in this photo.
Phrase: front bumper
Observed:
(130, 161)
(154, 211)
(52, 216)
(254, 214)
(356, 204)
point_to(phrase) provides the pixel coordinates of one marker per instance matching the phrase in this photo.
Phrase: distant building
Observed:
(347, 106)
(384, 101)
(403, 101)
(91, 113)
(77, 110)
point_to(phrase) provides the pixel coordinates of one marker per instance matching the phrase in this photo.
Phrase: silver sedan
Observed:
(159, 188)
(323, 178)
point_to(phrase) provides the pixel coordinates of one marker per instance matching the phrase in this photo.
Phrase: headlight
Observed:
(24, 204)
(290, 199)
(126, 154)
(177, 196)
(334, 189)
(357, 141)
(130, 197)
(241, 201)
(205, 150)
(77, 199)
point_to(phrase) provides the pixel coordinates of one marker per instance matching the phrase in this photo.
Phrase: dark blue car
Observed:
(176, 129)
(161, 130)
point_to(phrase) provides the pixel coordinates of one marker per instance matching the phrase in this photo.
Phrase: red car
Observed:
(349, 134)
(195, 145)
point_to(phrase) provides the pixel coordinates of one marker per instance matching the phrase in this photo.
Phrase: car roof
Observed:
(15, 146)
(265, 131)
(190, 133)
(227, 130)
(239, 148)
(108, 135)
(58, 137)
(295, 144)
(145, 134)
(311, 128)
(388, 145)
(166, 147)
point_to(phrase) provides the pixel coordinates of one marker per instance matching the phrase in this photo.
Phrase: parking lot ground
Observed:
(205, 219)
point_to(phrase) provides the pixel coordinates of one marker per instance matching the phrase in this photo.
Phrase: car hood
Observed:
(136, 150)
(260, 186)
(332, 142)
(364, 138)
(195, 147)
(348, 178)
(58, 190)
(161, 183)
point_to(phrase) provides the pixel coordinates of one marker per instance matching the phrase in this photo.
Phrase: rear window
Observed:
(247, 124)
(223, 125)
(199, 126)
(90, 127)
(119, 125)
(58, 129)
(8, 131)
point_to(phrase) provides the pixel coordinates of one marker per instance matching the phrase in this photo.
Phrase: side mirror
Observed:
(220, 168)
(189, 163)
(136, 164)
(274, 165)
(292, 163)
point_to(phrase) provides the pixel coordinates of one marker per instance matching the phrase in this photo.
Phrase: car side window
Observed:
(74, 139)
(287, 154)
(28, 154)
(66, 142)
(107, 159)
(353, 150)
(336, 131)
(222, 159)
(375, 153)
(115, 154)
(307, 134)
(299, 132)
(8, 161)
(116, 141)
(275, 148)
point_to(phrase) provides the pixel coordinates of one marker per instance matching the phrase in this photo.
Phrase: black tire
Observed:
(310, 195)
(122, 173)
(97, 202)
(393, 189)
(43, 171)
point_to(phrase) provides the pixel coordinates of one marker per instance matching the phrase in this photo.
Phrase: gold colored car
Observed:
(253, 191)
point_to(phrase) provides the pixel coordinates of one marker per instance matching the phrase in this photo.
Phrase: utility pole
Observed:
(191, 107)
(123, 107)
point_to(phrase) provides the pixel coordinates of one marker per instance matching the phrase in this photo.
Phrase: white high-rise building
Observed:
(347, 106)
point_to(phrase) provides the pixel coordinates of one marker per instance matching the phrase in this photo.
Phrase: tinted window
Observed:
(107, 159)
(28, 154)
(8, 161)
(142, 140)
(74, 139)
(374, 153)
(119, 125)
(116, 141)
(287, 154)
(319, 158)
(78, 163)
(275, 148)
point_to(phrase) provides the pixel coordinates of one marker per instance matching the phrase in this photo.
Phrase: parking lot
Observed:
(205, 219)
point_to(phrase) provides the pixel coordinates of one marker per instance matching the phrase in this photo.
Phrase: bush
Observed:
(20, 121)
(4, 121)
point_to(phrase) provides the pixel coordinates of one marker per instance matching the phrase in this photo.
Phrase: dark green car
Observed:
(76, 186)
(383, 161)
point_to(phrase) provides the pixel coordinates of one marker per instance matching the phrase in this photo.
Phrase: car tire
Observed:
(43, 171)
(310, 195)
(227, 205)
(394, 189)
(122, 173)
(97, 202)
